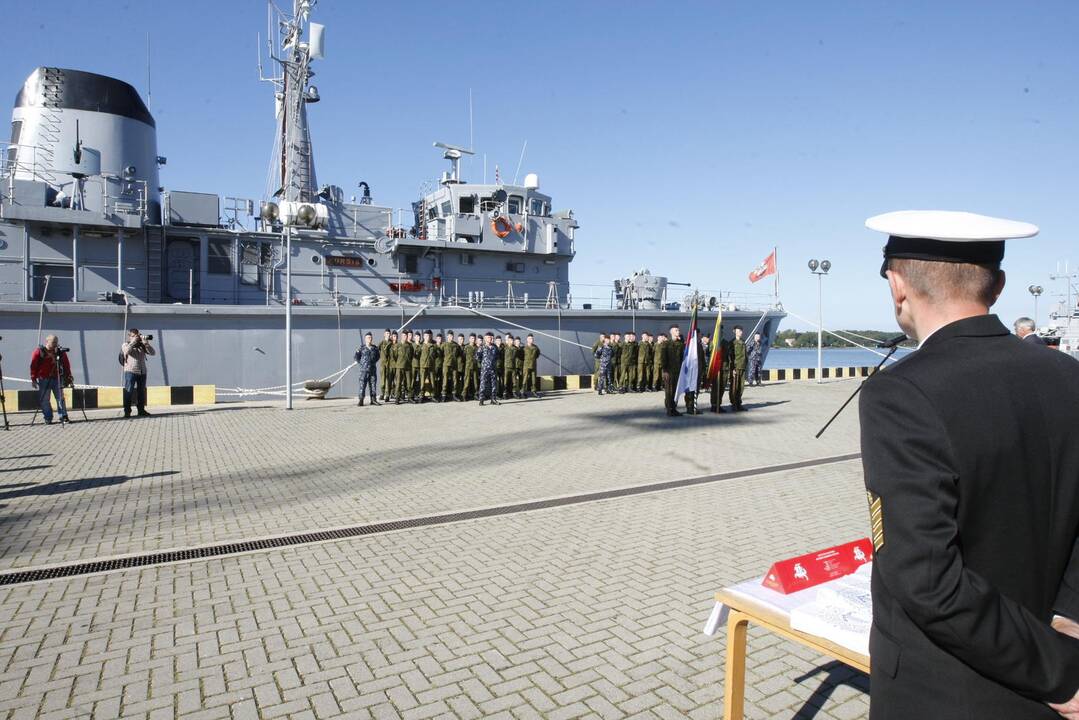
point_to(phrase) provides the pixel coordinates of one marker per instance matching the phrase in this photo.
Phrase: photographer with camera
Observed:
(133, 357)
(50, 372)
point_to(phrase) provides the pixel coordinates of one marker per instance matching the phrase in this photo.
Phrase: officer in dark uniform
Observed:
(487, 356)
(972, 470)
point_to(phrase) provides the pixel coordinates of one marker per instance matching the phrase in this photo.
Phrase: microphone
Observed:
(893, 342)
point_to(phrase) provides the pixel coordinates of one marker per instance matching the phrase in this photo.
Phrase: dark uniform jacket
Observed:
(972, 470)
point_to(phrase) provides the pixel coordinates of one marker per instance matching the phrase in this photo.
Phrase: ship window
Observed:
(467, 258)
(16, 132)
(249, 262)
(219, 257)
(408, 263)
(445, 208)
(432, 212)
(467, 205)
(535, 207)
(515, 203)
(515, 267)
(59, 282)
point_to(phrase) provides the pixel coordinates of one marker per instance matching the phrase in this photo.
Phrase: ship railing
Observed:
(34, 162)
(24, 161)
(522, 294)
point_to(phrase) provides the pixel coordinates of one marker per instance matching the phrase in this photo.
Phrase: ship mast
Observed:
(294, 162)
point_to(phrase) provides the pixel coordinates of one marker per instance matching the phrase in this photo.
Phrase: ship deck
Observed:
(343, 574)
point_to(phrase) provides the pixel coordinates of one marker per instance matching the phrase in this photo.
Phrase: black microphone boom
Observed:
(892, 346)
(889, 344)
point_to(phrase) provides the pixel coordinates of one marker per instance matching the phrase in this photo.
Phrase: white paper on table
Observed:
(841, 612)
(717, 618)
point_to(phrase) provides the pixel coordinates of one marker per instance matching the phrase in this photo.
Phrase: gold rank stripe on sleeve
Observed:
(876, 520)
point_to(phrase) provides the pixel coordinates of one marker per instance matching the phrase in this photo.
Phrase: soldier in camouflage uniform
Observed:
(402, 370)
(605, 355)
(509, 361)
(472, 368)
(595, 368)
(384, 386)
(450, 353)
(500, 364)
(628, 363)
(427, 359)
(459, 389)
(644, 363)
(437, 371)
(487, 356)
(737, 356)
(529, 358)
(518, 367)
(366, 358)
(614, 381)
(657, 362)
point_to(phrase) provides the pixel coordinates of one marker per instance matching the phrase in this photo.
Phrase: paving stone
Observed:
(591, 610)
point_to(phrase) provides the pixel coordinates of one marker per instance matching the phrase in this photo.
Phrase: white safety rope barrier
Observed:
(522, 327)
(848, 340)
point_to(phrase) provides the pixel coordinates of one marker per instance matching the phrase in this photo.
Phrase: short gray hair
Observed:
(1025, 323)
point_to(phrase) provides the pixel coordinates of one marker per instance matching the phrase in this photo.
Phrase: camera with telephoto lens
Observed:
(63, 350)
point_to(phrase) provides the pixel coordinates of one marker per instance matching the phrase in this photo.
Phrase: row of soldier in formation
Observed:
(624, 364)
(416, 367)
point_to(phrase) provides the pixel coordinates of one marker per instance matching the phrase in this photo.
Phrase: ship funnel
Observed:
(70, 127)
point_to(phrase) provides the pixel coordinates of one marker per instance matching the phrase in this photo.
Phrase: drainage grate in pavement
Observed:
(171, 556)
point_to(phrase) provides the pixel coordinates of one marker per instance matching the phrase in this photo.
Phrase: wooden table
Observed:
(745, 610)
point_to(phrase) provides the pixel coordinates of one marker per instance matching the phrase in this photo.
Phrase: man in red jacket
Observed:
(46, 381)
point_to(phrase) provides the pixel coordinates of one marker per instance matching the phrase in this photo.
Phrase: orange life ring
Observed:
(501, 226)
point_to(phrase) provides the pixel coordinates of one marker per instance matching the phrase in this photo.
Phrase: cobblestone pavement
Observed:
(591, 610)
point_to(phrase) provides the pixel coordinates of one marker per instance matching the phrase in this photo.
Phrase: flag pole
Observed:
(775, 254)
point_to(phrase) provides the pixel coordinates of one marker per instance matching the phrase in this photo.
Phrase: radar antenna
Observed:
(299, 42)
(453, 154)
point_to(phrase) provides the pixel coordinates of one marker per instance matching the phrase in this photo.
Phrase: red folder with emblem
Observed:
(805, 571)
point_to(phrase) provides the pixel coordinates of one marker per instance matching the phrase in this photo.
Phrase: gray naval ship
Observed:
(91, 244)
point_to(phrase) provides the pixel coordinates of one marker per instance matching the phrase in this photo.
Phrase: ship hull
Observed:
(243, 347)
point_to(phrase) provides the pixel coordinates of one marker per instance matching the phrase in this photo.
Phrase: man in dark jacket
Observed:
(1024, 328)
(971, 465)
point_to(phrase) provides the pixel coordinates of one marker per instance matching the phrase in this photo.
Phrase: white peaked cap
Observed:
(949, 226)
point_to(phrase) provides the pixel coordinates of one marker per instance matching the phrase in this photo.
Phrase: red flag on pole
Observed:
(766, 268)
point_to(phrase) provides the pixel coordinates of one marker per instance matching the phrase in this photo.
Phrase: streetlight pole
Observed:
(824, 266)
(1035, 290)
(288, 317)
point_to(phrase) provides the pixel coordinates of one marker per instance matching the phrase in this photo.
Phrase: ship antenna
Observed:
(519, 161)
(471, 145)
(149, 91)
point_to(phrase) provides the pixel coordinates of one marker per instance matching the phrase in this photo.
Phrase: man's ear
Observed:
(898, 285)
(999, 288)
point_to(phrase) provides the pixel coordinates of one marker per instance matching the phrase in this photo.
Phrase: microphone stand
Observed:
(858, 389)
(3, 398)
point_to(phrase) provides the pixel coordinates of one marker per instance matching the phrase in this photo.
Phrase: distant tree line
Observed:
(808, 338)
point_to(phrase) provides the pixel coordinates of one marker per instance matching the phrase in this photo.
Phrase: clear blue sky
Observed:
(689, 137)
